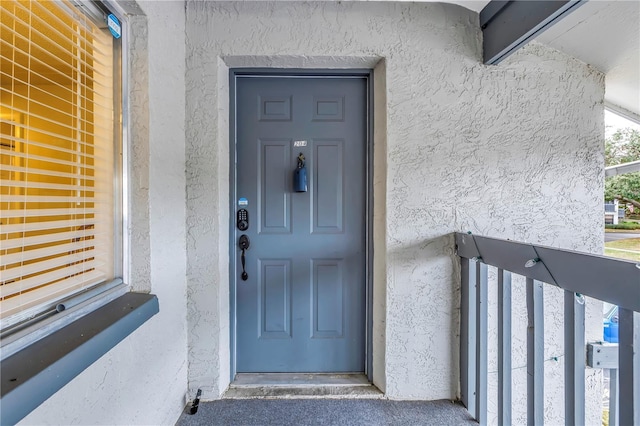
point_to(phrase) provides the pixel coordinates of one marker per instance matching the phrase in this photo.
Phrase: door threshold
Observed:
(301, 385)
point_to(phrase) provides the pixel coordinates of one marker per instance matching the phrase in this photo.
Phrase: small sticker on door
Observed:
(243, 202)
(299, 143)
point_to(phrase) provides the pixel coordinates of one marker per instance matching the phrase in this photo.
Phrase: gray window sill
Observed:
(32, 375)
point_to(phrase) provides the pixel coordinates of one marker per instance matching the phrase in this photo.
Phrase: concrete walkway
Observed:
(615, 236)
(302, 412)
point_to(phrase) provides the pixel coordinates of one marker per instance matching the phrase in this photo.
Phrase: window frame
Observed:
(99, 319)
(32, 324)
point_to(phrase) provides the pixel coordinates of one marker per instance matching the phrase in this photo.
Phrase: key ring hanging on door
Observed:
(300, 175)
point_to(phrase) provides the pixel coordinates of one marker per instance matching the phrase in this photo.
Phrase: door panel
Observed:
(274, 198)
(327, 298)
(302, 307)
(328, 191)
(275, 299)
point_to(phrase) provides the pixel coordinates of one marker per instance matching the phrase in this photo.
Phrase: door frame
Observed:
(367, 74)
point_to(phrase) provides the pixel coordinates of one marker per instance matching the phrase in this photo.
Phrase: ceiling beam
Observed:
(629, 115)
(509, 25)
(623, 168)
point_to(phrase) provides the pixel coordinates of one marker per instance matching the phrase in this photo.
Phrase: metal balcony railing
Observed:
(578, 274)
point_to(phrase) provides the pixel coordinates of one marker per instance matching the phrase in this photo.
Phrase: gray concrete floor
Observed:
(302, 412)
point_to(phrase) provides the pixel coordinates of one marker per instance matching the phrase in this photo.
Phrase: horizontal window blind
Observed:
(57, 155)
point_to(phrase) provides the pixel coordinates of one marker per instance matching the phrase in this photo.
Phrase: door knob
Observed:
(244, 244)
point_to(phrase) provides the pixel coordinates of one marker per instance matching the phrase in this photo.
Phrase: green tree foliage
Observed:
(623, 147)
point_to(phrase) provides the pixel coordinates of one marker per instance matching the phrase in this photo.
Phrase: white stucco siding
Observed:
(143, 380)
(544, 185)
(315, 35)
(512, 151)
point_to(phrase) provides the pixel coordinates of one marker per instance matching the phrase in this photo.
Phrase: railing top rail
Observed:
(615, 281)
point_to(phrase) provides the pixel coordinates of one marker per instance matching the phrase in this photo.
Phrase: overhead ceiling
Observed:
(604, 34)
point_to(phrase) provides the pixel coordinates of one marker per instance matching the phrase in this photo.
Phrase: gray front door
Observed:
(302, 305)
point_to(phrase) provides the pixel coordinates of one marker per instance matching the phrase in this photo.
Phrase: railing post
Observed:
(504, 347)
(574, 273)
(468, 334)
(629, 366)
(535, 353)
(613, 397)
(482, 314)
(574, 364)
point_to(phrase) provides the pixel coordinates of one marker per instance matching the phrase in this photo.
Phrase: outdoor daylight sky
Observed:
(613, 122)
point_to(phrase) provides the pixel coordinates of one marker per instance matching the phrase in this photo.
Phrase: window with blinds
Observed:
(57, 156)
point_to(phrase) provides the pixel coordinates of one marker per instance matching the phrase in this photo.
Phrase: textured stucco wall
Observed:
(513, 151)
(143, 380)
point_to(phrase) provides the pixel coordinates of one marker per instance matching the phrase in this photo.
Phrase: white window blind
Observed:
(57, 165)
